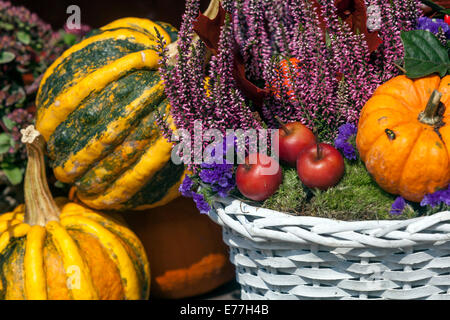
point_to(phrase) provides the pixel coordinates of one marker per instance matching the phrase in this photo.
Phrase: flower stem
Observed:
(40, 207)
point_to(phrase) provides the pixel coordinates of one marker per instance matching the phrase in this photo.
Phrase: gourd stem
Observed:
(431, 115)
(213, 9)
(40, 207)
(211, 12)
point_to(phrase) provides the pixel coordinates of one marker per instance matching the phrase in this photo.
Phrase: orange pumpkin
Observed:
(185, 250)
(404, 135)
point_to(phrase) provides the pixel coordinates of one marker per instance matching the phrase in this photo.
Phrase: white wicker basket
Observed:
(280, 256)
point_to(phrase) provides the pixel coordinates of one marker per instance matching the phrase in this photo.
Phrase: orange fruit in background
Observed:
(287, 69)
(185, 249)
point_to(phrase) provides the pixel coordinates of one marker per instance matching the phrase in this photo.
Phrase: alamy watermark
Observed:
(73, 281)
(189, 149)
(73, 22)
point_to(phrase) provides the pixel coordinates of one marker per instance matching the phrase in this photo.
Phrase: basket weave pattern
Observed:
(280, 256)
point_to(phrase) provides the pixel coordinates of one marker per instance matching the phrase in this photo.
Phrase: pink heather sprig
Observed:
(177, 78)
(216, 103)
(257, 45)
(352, 60)
(183, 88)
(396, 16)
(336, 79)
(235, 115)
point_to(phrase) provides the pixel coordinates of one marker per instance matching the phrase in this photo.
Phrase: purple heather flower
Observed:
(82, 31)
(334, 82)
(217, 104)
(398, 206)
(436, 198)
(346, 132)
(433, 25)
(202, 205)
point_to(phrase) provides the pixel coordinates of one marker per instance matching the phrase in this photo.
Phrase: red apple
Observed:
(293, 138)
(447, 19)
(320, 166)
(258, 181)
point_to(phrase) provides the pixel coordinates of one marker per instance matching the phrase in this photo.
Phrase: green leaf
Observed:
(327, 39)
(4, 148)
(9, 124)
(5, 139)
(69, 39)
(59, 184)
(6, 26)
(6, 57)
(436, 7)
(6, 142)
(23, 37)
(424, 54)
(14, 174)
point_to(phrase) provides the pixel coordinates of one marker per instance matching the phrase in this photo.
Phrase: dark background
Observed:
(97, 13)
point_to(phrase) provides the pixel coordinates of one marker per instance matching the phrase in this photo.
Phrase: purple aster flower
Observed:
(223, 182)
(219, 175)
(186, 187)
(346, 132)
(398, 206)
(436, 198)
(433, 25)
(202, 205)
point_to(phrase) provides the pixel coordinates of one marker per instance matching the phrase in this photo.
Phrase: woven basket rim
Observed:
(265, 225)
(228, 199)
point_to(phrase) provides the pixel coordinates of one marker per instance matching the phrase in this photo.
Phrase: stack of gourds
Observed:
(97, 122)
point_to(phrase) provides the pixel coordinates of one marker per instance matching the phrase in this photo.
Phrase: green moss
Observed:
(290, 197)
(356, 197)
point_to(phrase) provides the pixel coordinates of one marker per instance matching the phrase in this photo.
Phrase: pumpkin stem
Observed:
(431, 114)
(40, 207)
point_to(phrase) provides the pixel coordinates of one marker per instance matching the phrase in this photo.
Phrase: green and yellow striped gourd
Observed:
(97, 110)
(59, 250)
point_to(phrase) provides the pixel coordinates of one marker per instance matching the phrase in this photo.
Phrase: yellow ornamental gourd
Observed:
(61, 250)
(97, 108)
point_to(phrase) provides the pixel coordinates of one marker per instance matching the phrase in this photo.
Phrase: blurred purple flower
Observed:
(433, 25)
(202, 205)
(186, 187)
(82, 31)
(345, 133)
(436, 198)
(398, 206)
(219, 175)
